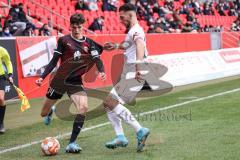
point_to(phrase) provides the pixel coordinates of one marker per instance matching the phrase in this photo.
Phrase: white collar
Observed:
(78, 40)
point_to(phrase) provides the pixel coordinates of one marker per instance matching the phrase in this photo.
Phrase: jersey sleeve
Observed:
(6, 59)
(56, 56)
(95, 49)
(51, 65)
(60, 46)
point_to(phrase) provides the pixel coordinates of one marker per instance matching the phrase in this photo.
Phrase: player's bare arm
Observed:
(140, 50)
(109, 46)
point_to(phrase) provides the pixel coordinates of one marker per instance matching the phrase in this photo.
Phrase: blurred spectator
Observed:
(28, 31)
(18, 16)
(174, 25)
(141, 12)
(150, 21)
(22, 14)
(184, 10)
(158, 9)
(81, 5)
(9, 22)
(188, 27)
(222, 4)
(196, 8)
(190, 17)
(97, 24)
(221, 11)
(236, 25)
(145, 11)
(114, 2)
(206, 28)
(211, 28)
(219, 28)
(195, 25)
(161, 26)
(6, 32)
(1, 30)
(107, 6)
(237, 4)
(92, 5)
(1, 19)
(207, 9)
(130, 1)
(232, 12)
(169, 5)
(151, 29)
(44, 30)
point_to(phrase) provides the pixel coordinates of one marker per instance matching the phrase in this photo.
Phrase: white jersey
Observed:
(123, 91)
(136, 32)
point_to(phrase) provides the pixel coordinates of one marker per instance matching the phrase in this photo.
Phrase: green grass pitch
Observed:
(208, 129)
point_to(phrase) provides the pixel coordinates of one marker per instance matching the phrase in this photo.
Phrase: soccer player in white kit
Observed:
(135, 53)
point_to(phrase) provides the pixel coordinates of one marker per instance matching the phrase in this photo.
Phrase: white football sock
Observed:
(116, 122)
(127, 117)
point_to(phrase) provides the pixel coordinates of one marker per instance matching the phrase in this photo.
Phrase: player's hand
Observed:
(109, 46)
(39, 81)
(138, 77)
(10, 79)
(102, 76)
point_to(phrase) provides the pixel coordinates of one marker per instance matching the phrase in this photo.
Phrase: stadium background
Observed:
(56, 13)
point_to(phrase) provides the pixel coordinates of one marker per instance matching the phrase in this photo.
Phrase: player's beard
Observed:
(128, 25)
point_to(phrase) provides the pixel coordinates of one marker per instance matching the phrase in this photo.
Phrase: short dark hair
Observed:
(128, 7)
(77, 19)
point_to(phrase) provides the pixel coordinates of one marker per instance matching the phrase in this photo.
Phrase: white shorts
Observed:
(127, 88)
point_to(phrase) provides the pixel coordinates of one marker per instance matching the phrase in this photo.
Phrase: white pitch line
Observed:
(107, 123)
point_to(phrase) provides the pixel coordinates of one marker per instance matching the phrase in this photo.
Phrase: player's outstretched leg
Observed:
(126, 116)
(48, 118)
(48, 108)
(120, 140)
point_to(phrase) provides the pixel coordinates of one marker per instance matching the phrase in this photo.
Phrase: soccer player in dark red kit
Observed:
(77, 54)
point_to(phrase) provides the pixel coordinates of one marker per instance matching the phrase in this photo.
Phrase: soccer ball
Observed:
(50, 146)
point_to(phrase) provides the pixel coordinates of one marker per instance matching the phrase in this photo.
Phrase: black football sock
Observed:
(77, 126)
(50, 113)
(2, 113)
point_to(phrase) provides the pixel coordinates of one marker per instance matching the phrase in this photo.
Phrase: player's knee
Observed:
(44, 113)
(109, 103)
(106, 103)
(83, 109)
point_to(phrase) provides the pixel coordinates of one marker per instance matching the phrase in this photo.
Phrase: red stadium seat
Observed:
(67, 8)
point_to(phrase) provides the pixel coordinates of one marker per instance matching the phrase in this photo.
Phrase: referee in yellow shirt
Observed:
(4, 60)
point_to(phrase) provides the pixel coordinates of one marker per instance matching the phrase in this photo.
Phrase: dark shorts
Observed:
(70, 90)
(3, 83)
